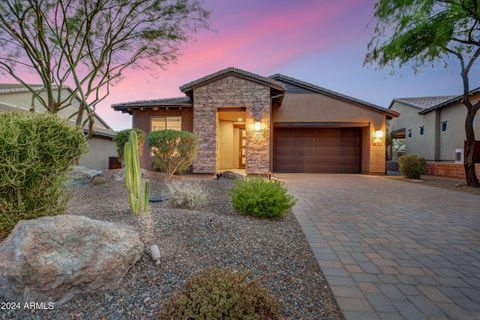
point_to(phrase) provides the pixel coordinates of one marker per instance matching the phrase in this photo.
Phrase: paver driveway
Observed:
(391, 249)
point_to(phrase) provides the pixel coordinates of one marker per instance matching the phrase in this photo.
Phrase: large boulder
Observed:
(82, 176)
(55, 258)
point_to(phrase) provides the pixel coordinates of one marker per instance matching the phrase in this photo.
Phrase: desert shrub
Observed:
(186, 194)
(121, 138)
(412, 166)
(261, 198)
(173, 151)
(221, 294)
(37, 151)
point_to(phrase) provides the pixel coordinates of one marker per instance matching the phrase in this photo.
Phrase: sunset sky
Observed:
(318, 41)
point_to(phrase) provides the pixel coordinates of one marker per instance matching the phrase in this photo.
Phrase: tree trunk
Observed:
(468, 162)
(52, 106)
(80, 114)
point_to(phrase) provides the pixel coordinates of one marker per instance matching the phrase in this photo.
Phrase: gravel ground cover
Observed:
(191, 241)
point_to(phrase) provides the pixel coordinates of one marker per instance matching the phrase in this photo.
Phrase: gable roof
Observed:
(19, 88)
(450, 101)
(428, 104)
(268, 82)
(126, 107)
(422, 103)
(316, 89)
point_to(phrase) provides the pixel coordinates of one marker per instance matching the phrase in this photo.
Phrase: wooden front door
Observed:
(242, 152)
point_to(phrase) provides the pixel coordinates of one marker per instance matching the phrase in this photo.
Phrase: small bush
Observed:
(37, 151)
(173, 151)
(261, 198)
(186, 194)
(121, 138)
(221, 294)
(412, 166)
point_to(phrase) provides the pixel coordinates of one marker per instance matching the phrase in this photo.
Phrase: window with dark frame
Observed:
(444, 126)
(422, 130)
(409, 133)
(163, 123)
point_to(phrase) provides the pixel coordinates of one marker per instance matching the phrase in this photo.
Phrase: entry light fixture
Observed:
(257, 126)
(379, 134)
(239, 119)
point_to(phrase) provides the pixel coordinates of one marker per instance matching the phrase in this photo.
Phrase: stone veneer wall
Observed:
(232, 91)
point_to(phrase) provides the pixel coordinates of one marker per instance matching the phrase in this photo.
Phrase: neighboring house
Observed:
(269, 124)
(15, 97)
(433, 127)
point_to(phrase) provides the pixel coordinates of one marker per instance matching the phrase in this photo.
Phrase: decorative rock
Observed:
(55, 258)
(98, 180)
(231, 175)
(82, 175)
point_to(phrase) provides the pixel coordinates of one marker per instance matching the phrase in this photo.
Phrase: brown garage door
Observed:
(317, 150)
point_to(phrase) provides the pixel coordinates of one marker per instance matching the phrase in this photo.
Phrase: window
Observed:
(409, 133)
(422, 130)
(162, 123)
(444, 126)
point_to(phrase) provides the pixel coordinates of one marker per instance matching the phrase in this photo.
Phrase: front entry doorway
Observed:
(231, 140)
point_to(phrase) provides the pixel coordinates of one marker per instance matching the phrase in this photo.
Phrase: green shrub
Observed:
(412, 166)
(261, 198)
(186, 194)
(221, 294)
(121, 138)
(37, 151)
(173, 151)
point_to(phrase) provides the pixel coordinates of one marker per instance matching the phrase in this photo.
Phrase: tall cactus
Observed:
(133, 176)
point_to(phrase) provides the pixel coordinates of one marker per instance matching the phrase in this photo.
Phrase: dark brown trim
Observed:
(231, 109)
(321, 124)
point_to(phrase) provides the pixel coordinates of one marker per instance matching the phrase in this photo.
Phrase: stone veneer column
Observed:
(227, 92)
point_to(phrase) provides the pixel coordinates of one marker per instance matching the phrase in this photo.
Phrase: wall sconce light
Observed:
(379, 134)
(378, 138)
(257, 126)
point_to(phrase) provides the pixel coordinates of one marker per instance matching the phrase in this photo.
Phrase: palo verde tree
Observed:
(427, 32)
(87, 44)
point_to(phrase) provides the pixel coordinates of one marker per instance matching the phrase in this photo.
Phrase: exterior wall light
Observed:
(378, 138)
(257, 126)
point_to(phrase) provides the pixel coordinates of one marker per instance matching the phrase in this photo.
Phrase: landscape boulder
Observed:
(82, 176)
(53, 259)
(231, 175)
(98, 180)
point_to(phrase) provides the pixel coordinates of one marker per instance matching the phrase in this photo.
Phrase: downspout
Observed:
(271, 132)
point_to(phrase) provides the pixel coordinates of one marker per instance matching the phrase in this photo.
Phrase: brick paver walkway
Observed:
(391, 249)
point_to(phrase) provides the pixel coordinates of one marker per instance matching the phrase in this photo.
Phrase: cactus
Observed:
(133, 176)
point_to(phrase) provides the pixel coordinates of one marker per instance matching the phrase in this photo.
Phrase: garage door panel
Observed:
(328, 150)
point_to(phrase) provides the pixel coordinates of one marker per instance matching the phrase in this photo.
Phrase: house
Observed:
(16, 97)
(434, 128)
(269, 124)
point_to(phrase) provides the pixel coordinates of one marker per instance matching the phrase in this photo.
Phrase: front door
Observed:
(242, 148)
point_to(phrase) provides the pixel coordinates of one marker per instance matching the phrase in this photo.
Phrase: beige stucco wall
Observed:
(99, 150)
(310, 107)
(421, 145)
(434, 145)
(23, 100)
(454, 137)
(226, 145)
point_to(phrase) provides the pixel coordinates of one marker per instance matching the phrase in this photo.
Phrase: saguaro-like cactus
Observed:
(133, 176)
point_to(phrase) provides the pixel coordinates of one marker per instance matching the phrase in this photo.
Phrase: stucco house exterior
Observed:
(434, 127)
(269, 124)
(15, 97)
